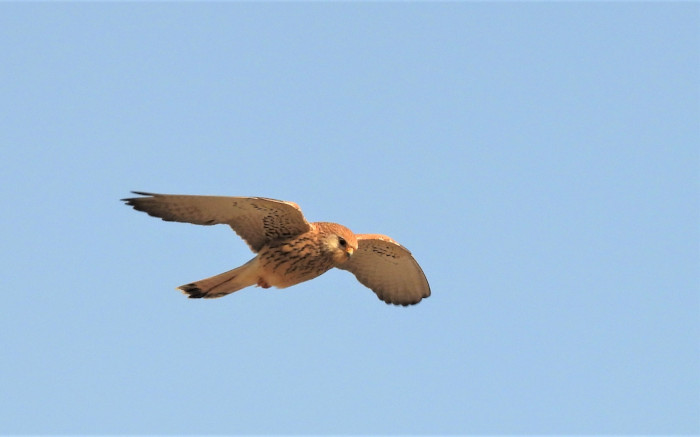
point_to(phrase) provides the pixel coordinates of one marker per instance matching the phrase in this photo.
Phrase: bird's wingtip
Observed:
(138, 193)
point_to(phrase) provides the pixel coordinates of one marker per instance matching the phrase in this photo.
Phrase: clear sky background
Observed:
(540, 160)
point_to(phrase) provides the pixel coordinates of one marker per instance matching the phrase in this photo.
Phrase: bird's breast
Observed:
(291, 261)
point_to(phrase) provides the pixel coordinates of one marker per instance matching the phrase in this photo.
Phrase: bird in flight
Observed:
(289, 249)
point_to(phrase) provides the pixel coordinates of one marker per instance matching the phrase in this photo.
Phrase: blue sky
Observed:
(540, 160)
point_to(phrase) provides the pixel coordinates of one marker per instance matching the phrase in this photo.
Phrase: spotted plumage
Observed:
(290, 250)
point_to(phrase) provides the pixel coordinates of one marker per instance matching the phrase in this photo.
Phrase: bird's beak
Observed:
(349, 251)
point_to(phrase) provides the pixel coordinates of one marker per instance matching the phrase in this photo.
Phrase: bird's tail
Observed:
(224, 283)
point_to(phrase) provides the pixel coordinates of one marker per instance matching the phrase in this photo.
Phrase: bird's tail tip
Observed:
(192, 291)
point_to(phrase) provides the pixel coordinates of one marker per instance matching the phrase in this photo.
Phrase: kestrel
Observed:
(290, 250)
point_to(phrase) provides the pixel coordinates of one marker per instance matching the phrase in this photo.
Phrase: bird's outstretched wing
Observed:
(256, 219)
(389, 269)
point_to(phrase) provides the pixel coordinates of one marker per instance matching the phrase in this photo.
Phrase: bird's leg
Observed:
(262, 283)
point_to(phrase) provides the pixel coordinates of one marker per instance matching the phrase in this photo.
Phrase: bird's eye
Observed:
(342, 241)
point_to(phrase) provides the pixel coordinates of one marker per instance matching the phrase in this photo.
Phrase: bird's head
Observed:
(339, 241)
